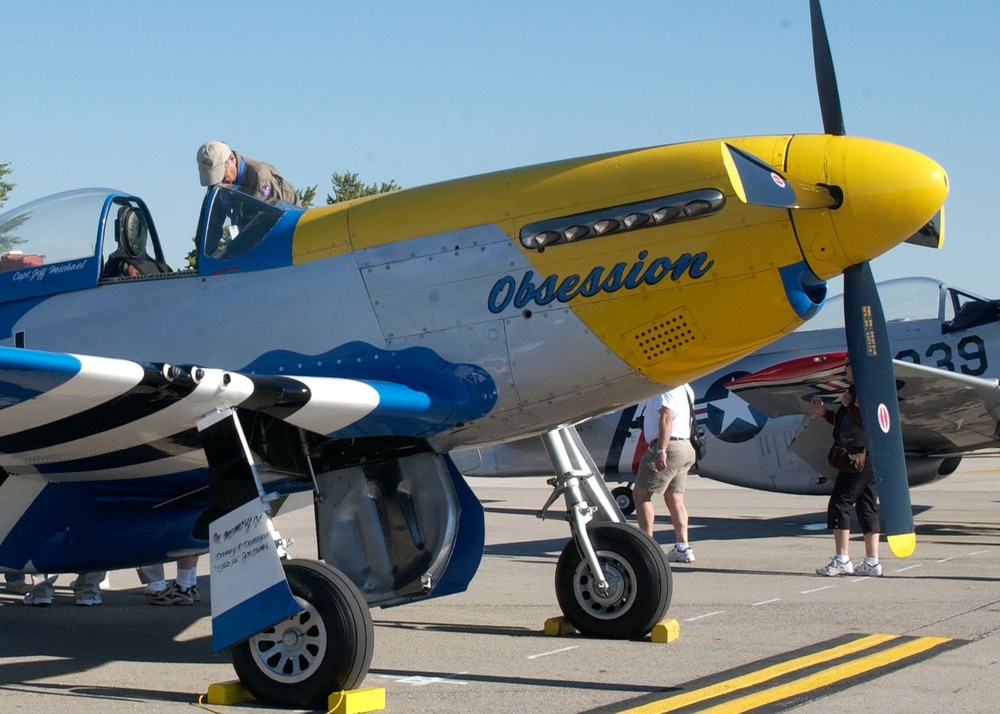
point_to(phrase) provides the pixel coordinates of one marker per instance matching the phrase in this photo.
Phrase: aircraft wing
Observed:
(941, 412)
(75, 414)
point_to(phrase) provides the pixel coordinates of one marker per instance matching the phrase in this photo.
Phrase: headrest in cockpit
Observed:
(131, 232)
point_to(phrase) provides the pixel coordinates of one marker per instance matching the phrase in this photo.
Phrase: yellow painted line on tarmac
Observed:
(826, 677)
(755, 678)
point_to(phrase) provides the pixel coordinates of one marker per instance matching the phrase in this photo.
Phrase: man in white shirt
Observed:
(664, 468)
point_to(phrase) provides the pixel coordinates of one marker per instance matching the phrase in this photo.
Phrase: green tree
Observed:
(5, 188)
(8, 239)
(307, 195)
(192, 255)
(347, 187)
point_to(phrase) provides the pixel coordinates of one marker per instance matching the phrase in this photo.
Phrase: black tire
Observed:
(623, 497)
(326, 648)
(638, 575)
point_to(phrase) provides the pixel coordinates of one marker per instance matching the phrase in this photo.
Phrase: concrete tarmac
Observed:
(750, 601)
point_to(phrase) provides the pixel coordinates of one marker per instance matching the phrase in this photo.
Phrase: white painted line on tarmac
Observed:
(978, 552)
(816, 590)
(420, 680)
(707, 614)
(766, 602)
(945, 560)
(546, 654)
(908, 567)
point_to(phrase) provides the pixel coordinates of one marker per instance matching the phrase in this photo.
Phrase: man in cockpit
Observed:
(217, 163)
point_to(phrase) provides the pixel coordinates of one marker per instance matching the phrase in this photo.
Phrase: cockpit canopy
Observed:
(99, 236)
(74, 240)
(232, 229)
(913, 299)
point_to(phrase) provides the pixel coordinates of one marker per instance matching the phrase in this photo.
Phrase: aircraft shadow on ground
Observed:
(943, 532)
(64, 639)
(44, 642)
(465, 629)
(574, 684)
(141, 697)
(710, 528)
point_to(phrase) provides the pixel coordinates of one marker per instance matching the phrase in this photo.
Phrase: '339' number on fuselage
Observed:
(971, 350)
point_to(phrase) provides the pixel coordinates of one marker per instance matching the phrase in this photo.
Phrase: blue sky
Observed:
(121, 94)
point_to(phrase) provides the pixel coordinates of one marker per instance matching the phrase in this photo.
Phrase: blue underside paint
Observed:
(25, 374)
(108, 525)
(77, 527)
(806, 292)
(420, 394)
(48, 514)
(253, 615)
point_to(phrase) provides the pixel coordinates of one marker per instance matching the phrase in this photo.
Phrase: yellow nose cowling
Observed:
(889, 193)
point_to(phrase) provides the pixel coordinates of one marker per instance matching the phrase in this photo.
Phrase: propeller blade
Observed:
(826, 78)
(932, 234)
(875, 386)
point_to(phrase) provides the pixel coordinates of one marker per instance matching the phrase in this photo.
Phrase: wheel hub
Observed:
(615, 586)
(620, 593)
(290, 651)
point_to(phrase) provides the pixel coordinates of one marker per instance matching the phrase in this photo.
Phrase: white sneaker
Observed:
(680, 556)
(89, 600)
(836, 568)
(174, 595)
(865, 569)
(156, 587)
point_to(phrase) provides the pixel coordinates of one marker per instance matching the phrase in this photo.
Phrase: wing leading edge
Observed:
(61, 409)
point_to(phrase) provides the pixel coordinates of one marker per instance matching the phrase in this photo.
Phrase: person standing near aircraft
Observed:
(851, 489)
(664, 467)
(86, 587)
(217, 163)
(16, 583)
(184, 591)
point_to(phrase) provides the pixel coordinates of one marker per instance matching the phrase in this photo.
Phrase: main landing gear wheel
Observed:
(639, 583)
(326, 648)
(623, 497)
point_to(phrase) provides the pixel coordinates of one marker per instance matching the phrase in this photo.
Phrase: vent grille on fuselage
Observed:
(660, 338)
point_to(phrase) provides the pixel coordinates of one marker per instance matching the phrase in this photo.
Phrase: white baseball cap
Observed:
(212, 159)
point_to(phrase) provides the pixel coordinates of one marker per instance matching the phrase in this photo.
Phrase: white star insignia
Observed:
(733, 408)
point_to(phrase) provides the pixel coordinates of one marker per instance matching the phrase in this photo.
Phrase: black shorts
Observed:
(856, 490)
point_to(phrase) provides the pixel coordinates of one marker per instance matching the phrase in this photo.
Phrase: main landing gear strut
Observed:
(612, 580)
(322, 639)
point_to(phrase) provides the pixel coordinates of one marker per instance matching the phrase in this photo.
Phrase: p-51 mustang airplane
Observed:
(345, 350)
(948, 405)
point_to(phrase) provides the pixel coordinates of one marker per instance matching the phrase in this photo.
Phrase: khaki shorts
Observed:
(680, 459)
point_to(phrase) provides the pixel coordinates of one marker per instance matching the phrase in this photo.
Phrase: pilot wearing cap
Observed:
(217, 163)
